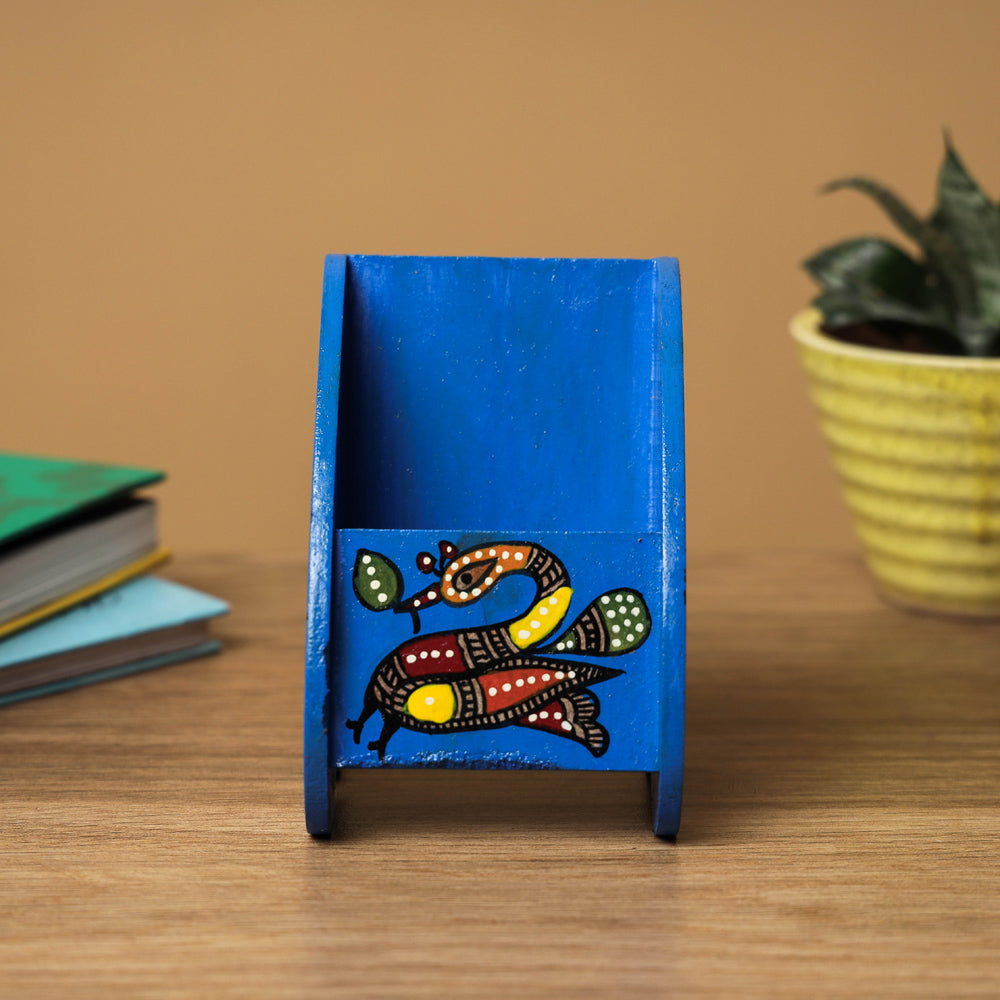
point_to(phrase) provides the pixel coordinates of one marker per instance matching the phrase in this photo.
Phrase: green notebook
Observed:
(69, 531)
(36, 493)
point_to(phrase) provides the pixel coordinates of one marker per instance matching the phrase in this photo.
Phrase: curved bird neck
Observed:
(547, 571)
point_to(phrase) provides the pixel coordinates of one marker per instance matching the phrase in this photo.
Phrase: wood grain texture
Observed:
(838, 840)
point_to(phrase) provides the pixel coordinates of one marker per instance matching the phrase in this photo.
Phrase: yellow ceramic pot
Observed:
(916, 441)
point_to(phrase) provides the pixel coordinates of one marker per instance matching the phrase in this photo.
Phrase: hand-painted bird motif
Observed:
(496, 675)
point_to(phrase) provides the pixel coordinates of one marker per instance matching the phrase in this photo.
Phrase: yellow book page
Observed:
(136, 568)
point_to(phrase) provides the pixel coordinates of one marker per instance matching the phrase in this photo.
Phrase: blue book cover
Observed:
(143, 624)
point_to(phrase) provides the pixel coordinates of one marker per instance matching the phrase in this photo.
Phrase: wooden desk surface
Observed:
(839, 836)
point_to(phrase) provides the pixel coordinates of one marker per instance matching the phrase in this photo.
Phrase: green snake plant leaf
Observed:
(973, 222)
(844, 307)
(944, 257)
(878, 271)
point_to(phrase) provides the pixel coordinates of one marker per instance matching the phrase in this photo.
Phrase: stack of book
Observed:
(76, 605)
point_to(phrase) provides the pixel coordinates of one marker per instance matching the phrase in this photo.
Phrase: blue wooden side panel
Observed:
(322, 539)
(667, 784)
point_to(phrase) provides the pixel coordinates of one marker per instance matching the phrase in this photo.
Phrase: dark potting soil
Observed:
(896, 337)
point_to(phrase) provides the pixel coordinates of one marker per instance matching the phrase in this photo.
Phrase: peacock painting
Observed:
(510, 673)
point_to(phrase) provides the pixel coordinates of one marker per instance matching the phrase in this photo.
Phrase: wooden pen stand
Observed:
(497, 549)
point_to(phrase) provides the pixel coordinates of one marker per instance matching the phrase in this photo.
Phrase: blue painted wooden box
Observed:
(497, 552)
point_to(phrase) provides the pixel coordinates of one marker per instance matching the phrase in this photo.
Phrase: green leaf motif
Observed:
(378, 584)
(626, 618)
(616, 623)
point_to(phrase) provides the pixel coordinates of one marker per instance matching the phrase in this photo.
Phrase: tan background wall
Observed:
(173, 173)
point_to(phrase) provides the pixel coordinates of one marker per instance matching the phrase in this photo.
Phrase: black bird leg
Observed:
(367, 711)
(390, 723)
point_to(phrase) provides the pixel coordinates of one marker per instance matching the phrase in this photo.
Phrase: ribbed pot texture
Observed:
(916, 441)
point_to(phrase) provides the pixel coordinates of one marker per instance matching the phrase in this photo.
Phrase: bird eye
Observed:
(472, 577)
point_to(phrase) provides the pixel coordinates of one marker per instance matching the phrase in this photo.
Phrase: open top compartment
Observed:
(500, 394)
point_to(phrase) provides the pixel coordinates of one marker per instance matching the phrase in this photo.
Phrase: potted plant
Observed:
(902, 353)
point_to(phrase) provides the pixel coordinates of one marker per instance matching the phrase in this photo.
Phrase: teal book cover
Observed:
(143, 624)
(36, 492)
